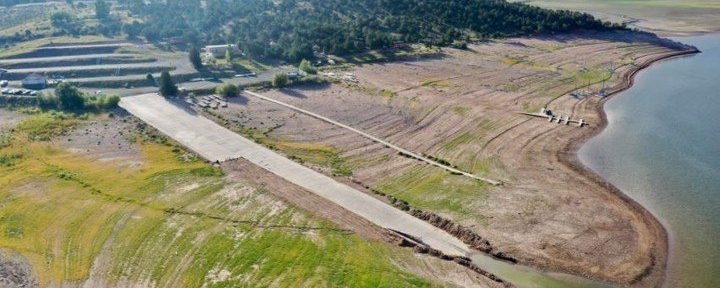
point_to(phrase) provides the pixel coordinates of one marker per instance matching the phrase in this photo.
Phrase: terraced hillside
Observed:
(103, 64)
(107, 202)
(462, 107)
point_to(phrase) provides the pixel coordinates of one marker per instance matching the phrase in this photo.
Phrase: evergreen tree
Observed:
(229, 54)
(167, 86)
(102, 11)
(150, 78)
(70, 97)
(195, 58)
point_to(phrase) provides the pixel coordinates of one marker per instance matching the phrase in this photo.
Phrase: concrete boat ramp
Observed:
(216, 143)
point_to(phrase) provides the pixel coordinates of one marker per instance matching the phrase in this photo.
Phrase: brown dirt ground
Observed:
(9, 118)
(463, 106)
(106, 139)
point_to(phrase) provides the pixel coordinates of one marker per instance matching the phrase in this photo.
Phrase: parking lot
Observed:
(19, 92)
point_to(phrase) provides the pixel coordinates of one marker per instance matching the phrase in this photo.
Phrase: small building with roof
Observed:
(219, 50)
(35, 81)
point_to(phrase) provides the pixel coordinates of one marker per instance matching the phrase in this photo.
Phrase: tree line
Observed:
(298, 29)
(294, 29)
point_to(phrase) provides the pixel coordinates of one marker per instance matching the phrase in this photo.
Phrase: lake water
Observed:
(662, 148)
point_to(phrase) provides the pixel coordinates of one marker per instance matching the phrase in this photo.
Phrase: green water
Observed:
(525, 277)
(662, 148)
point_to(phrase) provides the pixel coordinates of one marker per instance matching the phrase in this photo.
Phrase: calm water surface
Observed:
(662, 148)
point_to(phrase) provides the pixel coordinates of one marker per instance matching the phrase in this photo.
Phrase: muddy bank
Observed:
(654, 273)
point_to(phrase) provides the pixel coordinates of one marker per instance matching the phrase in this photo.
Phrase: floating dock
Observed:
(559, 119)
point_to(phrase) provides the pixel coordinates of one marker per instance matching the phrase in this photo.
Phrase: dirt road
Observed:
(215, 143)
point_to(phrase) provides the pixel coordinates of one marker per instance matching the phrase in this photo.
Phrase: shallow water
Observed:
(526, 277)
(662, 148)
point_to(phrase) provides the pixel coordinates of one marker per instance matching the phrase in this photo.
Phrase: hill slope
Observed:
(290, 29)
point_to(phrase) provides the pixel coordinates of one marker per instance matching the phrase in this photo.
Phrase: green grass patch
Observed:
(512, 60)
(5, 139)
(314, 153)
(592, 76)
(387, 93)
(432, 189)
(44, 126)
(483, 127)
(460, 110)
(173, 223)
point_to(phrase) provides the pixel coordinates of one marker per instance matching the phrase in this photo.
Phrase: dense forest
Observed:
(291, 29)
(17, 2)
(295, 29)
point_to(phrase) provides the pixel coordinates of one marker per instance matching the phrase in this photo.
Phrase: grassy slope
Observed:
(63, 212)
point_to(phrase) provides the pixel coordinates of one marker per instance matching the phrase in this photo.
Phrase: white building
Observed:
(220, 50)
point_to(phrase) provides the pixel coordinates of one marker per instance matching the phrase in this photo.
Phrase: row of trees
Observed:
(68, 97)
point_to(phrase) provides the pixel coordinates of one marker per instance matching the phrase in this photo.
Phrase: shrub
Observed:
(150, 79)
(69, 96)
(48, 101)
(228, 90)
(280, 80)
(307, 67)
(100, 103)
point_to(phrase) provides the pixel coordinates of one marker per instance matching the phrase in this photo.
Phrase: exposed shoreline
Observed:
(568, 155)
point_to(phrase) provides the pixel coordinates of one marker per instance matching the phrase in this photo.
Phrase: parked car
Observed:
(33, 93)
(27, 92)
(5, 90)
(4, 83)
